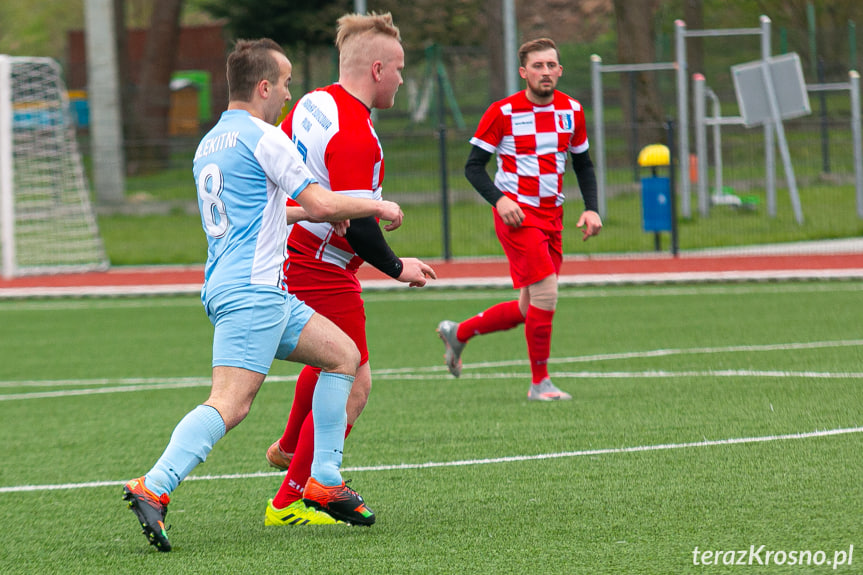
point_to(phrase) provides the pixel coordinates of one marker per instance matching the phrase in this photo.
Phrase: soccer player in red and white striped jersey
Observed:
(333, 131)
(531, 132)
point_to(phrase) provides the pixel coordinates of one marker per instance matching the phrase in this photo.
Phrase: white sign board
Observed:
(788, 85)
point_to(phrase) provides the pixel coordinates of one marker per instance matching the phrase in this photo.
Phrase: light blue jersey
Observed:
(245, 169)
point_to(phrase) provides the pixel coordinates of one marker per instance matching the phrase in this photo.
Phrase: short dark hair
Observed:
(248, 64)
(537, 45)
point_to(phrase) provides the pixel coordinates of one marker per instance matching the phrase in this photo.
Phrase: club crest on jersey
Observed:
(564, 121)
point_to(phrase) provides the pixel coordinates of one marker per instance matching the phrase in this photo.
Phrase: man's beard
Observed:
(541, 92)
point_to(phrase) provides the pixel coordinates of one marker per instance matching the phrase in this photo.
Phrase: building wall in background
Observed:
(201, 48)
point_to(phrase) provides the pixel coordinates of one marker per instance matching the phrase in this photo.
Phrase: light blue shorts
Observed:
(255, 325)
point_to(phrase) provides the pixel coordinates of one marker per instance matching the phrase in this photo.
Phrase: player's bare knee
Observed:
(231, 412)
(353, 358)
(346, 360)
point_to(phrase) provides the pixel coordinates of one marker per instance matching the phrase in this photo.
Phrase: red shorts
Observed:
(340, 301)
(533, 253)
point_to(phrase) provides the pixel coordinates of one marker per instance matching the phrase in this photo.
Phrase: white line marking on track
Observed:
(91, 304)
(465, 462)
(192, 299)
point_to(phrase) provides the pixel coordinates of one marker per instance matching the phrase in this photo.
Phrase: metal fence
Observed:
(446, 92)
(821, 149)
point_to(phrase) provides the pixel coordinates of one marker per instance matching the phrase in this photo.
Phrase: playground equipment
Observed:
(791, 101)
(679, 66)
(596, 71)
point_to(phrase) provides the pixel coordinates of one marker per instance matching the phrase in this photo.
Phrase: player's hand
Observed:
(391, 212)
(591, 222)
(415, 272)
(341, 228)
(510, 212)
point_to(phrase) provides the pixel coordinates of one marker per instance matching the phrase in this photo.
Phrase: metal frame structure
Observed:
(7, 213)
(596, 71)
(680, 68)
(701, 92)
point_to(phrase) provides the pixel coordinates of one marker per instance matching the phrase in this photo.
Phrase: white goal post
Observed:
(47, 224)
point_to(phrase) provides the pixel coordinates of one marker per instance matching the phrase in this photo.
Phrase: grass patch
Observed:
(597, 480)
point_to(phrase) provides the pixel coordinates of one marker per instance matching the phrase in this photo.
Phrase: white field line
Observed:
(112, 386)
(489, 461)
(653, 290)
(103, 386)
(658, 374)
(640, 355)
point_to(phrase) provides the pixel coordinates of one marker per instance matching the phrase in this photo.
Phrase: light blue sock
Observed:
(191, 442)
(331, 420)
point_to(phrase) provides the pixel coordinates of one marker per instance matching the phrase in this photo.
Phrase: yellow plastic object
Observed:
(654, 155)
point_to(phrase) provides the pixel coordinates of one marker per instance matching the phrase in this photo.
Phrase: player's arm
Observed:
(365, 237)
(475, 172)
(282, 163)
(296, 213)
(324, 205)
(586, 176)
(582, 165)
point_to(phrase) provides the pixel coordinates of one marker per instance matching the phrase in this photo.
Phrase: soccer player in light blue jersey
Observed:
(245, 169)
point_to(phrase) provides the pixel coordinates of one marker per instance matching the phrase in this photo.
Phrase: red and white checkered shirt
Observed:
(531, 143)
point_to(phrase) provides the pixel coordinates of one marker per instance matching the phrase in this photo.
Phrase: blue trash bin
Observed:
(656, 204)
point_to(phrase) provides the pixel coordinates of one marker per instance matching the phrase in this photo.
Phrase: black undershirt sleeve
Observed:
(583, 167)
(474, 171)
(476, 174)
(366, 238)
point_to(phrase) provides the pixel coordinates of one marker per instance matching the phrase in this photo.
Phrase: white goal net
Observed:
(47, 224)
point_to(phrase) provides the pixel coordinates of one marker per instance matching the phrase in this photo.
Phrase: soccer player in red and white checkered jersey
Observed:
(333, 131)
(532, 132)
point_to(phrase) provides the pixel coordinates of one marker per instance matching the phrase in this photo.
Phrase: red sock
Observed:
(301, 407)
(301, 466)
(537, 331)
(500, 317)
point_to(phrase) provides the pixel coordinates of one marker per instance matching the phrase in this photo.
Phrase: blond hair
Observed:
(355, 35)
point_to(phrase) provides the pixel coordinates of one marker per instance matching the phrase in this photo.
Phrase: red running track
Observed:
(482, 272)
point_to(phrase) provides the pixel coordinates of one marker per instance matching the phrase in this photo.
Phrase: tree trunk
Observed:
(495, 48)
(642, 107)
(149, 146)
(124, 79)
